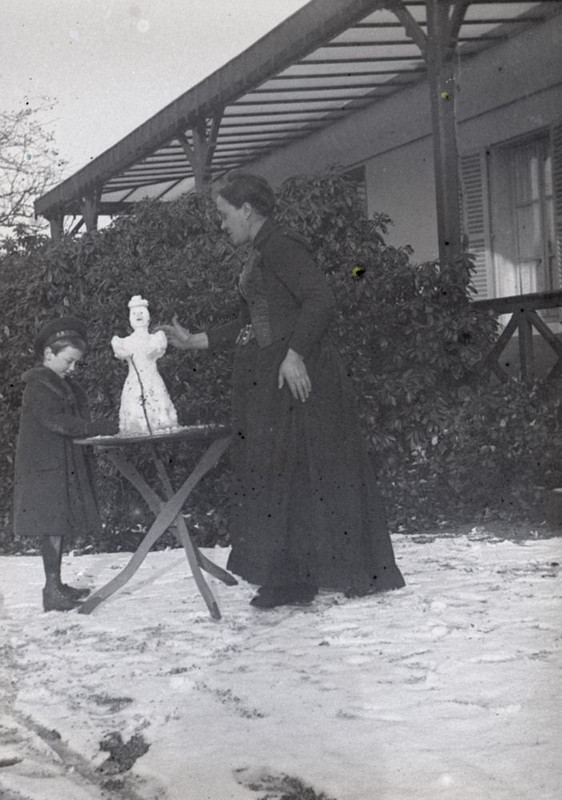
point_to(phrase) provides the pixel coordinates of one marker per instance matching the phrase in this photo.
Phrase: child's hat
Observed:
(59, 329)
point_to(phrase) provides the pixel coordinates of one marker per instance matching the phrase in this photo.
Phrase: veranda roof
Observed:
(324, 62)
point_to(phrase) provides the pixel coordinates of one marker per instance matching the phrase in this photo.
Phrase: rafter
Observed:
(411, 25)
(328, 60)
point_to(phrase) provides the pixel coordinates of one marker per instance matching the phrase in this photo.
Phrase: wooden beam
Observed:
(200, 152)
(438, 47)
(440, 60)
(456, 20)
(521, 302)
(411, 26)
(526, 353)
(90, 210)
(56, 224)
(76, 227)
(318, 21)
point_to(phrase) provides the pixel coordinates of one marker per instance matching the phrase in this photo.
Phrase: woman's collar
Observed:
(263, 233)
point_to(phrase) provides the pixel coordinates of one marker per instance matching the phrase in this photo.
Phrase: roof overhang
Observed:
(326, 61)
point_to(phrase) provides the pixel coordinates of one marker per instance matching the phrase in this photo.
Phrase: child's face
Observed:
(64, 361)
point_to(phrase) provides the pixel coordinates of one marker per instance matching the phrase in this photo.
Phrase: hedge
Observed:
(449, 443)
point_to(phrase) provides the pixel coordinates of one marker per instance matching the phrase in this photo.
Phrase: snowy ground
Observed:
(448, 689)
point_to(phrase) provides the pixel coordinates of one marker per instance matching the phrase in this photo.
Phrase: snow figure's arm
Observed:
(120, 349)
(158, 344)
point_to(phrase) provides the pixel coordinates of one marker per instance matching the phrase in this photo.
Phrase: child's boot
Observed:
(74, 592)
(54, 598)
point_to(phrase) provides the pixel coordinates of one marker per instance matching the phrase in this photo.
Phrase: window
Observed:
(512, 211)
(522, 217)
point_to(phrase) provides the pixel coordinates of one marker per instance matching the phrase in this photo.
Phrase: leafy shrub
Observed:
(499, 453)
(173, 255)
(448, 442)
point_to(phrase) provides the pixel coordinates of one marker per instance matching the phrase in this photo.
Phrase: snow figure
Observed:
(146, 406)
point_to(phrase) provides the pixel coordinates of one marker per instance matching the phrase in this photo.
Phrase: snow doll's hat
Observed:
(137, 300)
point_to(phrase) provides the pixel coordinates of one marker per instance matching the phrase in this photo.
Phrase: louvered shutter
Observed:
(474, 220)
(362, 190)
(358, 176)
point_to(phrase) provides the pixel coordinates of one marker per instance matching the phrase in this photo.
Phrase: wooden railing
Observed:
(524, 318)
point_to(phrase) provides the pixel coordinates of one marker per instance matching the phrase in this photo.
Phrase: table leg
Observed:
(136, 479)
(213, 569)
(189, 550)
(155, 504)
(168, 513)
(158, 527)
(188, 546)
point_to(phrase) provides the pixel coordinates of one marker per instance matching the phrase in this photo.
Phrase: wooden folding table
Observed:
(168, 511)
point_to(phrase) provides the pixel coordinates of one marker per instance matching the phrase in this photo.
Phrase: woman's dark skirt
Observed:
(306, 508)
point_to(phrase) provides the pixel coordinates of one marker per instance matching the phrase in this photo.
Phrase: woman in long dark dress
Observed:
(306, 512)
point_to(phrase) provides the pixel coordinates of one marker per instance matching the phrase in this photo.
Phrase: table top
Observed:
(186, 433)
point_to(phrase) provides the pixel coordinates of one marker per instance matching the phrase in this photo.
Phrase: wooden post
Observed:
(56, 223)
(438, 47)
(526, 355)
(200, 153)
(440, 55)
(90, 205)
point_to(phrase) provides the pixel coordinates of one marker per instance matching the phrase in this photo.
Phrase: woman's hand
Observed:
(293, 372)
(176, 334)
(180, 337)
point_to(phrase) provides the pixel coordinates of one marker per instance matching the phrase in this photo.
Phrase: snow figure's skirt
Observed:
(306, 508)
(148, 411)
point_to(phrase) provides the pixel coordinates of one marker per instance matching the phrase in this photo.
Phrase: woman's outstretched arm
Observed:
(180, 337)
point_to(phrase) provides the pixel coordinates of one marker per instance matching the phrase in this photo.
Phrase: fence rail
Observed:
(524, 310)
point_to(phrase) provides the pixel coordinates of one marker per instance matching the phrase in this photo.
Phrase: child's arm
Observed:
(49, 409)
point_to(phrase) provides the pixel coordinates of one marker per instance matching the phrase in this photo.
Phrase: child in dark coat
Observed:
(53, 493)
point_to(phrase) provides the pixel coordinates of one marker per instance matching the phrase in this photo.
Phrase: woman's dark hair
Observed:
(243, 187)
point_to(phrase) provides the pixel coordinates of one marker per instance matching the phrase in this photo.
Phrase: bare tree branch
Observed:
(29, 163)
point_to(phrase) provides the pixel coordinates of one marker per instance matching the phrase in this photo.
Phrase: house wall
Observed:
(506, 91)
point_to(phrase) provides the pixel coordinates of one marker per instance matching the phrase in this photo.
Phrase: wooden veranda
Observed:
(328, 60)
(523, 325)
